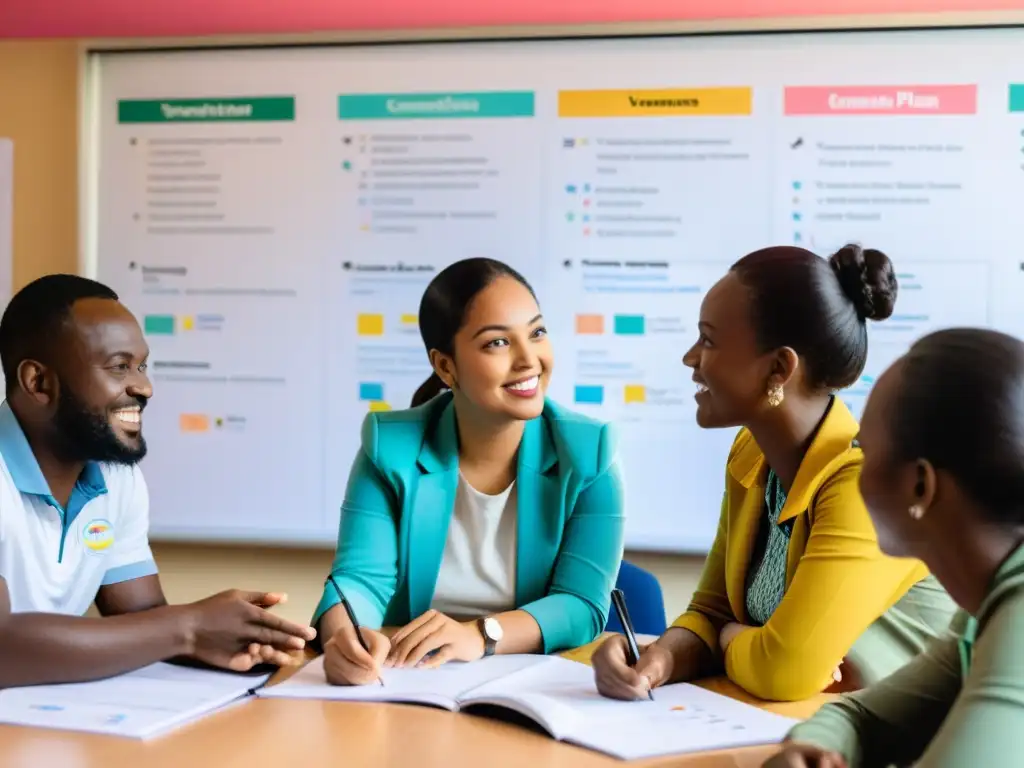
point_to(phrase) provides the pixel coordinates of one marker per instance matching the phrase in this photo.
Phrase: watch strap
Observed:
(490, 644)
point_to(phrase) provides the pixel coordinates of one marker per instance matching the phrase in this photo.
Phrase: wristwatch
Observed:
(490, 628)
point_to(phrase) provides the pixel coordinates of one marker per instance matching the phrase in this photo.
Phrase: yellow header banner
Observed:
(669, 102)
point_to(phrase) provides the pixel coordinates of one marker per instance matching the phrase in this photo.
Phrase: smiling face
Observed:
(731, 374)
(103, 386)
(502, 357)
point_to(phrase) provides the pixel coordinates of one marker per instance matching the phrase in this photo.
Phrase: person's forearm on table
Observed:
(41, 648)
(691, 657)
(333, 619)
(520, 633)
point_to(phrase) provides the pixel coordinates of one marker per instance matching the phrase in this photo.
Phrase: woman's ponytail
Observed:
(428, 390)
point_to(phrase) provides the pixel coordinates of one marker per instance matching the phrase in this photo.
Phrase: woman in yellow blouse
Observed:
(795, 592)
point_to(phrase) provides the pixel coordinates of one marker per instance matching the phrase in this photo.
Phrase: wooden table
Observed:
(310, 734)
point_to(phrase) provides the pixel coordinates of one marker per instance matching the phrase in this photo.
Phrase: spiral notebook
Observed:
(561, 698)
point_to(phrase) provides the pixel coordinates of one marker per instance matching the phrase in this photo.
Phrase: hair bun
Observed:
(868, 279)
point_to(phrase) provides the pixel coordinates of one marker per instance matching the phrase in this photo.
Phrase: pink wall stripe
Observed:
(115, 18)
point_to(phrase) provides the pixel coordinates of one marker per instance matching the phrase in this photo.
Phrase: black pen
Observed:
(632, 649)
(351, 618)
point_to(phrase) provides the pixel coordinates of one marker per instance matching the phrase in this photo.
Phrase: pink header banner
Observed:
(882, 100)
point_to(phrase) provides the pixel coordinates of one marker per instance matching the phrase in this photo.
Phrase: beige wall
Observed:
(191, 572)
(39, 110)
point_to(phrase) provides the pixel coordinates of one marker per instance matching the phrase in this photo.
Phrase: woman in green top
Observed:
(943, 478)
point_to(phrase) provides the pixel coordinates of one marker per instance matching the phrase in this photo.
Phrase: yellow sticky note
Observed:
(379, 405)
(410, 320)
(188, 322)
(370, 325)
(635, 393)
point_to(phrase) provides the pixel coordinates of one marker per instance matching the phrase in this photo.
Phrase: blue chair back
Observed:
(644, 600)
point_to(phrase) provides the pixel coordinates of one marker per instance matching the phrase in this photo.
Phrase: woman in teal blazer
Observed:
(486, 518)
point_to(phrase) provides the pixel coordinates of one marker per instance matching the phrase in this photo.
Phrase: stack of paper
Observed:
(140, 704)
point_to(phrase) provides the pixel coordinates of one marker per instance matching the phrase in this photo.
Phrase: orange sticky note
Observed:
(193, 422)
(590, 324)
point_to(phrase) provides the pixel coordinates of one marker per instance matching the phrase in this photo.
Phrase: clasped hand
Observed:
(235, 630)
(427, 641)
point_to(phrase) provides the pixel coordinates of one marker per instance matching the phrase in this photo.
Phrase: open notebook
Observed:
(141, 704)
(561, 697)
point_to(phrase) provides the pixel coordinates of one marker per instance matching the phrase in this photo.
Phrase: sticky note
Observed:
(629, 325)
(410, 320)
(188, 322)
(193, 422)
(161, 325)
(378, 405)
(635, 393)
(370, 325)
(371, 390)
(590, 324)
(589, 394)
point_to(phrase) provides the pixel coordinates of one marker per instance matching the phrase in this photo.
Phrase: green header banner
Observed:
(261, 109)
(418, 106)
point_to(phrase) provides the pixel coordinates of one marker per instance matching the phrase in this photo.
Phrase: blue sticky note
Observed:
(371, 390)
(589, 394)
(629, 325)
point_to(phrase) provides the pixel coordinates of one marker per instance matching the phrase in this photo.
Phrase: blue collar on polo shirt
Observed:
(28, 477)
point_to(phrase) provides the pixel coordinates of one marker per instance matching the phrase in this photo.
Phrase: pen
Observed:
(632, 649)
(351, 617)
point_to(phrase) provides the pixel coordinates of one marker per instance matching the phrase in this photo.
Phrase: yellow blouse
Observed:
(838, 582)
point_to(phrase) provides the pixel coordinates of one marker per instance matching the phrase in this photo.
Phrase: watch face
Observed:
(492, 629)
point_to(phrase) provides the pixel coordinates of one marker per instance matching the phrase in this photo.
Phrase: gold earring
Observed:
(775, 395)
(916, 511)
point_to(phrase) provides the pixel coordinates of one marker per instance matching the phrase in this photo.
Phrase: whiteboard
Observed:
(272, 217)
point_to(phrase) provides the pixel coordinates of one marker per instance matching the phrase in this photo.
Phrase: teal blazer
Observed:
(401, 494)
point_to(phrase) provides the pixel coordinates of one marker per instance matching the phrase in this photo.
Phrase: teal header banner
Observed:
(419, 106)
(1017, 97)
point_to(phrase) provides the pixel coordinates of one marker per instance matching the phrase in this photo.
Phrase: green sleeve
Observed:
(984, 725)
(893, 721)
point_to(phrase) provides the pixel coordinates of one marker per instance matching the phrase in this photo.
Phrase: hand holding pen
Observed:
(632, 649)
(355, 654)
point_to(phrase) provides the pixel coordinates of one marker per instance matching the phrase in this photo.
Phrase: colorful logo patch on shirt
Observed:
(98, 535)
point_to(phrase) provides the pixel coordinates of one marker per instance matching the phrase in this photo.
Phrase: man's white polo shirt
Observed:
(55, 560)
